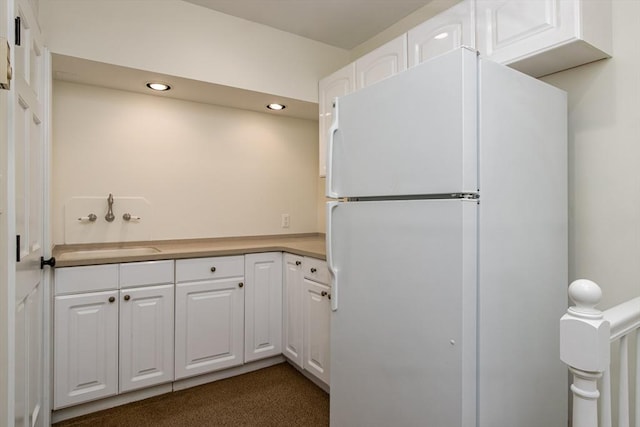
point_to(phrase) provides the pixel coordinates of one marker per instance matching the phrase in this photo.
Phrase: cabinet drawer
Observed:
(316, 270)
(188, 270)
(90, 278)
(146, 273)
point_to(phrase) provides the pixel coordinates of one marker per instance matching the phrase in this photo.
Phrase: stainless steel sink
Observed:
(107, 253)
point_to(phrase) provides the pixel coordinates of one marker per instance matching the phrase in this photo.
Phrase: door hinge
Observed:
(18, 248)
(17, 30)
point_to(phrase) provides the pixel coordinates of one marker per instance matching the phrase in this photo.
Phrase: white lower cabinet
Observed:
(307, 314)
(146, 336)
(86, 347)
(124, 327)
(209, 322)
(111, 340)
(262, 305)
(316, 311)
(292, 329)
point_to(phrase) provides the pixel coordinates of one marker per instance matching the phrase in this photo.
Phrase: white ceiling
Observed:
(340, 23)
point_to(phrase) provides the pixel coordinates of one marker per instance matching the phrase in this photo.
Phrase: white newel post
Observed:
(584, 346)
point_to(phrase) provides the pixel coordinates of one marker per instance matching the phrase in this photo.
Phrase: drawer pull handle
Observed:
(213, 269)
(112, 299)
(298, 263)
(324, 293)
(240, 284)
(313, 270)
(127, 297)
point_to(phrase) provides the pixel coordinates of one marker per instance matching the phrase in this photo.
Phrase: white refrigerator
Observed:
(447, 245)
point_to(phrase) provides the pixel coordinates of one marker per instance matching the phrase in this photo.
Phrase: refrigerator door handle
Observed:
(332, 131)
(331, 206)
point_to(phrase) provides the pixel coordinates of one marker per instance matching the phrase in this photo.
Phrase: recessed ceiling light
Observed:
(158, 86)
(276, 107)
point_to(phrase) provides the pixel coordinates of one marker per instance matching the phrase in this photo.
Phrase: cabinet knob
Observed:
(240, 284)
(324, 293)
(298, 262)
(329, 296)
(213, 269)
(127, 297)
(313, 270)
(112, 299)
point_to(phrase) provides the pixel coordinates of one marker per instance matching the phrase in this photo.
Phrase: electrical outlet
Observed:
(285, 220)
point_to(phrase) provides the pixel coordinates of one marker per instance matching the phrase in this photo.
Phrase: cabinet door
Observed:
(209, 326)
(85, 347)
(444, 32)
(262, 306)
(337, 84)
(292, 310)
(383, 62)
(146, 336)
(544, 36)
(316, 311)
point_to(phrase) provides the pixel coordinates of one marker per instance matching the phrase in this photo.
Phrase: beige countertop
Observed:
(312, 245)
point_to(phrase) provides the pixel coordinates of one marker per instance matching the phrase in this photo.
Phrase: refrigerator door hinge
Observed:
(466, 196)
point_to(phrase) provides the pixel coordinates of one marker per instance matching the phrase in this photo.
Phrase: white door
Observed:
(209, 326)
(292, 310)
(415, 133)
(316, 312)
(28, 139)
(86, 348)
(262, 305)
(403, 344)
(146, 336)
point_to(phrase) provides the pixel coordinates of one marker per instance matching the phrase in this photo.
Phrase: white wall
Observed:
(604, 159)
(182, 39)
(207, 171)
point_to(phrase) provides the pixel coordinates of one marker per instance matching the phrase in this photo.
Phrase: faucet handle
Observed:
(91, 218)
(129, 217)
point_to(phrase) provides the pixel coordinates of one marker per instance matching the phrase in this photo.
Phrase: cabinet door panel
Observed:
(209, 326)
(446, 31)
(385, 61)
(86, 347)
(263, 306)
(146, 336)
(292, 310)
(316, 329)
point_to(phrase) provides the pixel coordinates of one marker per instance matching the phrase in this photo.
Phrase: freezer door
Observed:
(414, 133)
(403, 333)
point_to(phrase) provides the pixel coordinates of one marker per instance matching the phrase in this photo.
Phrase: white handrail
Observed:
(586, 335)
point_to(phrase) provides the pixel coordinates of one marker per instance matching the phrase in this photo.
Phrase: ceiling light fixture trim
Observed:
(276, 107)
(158, 86)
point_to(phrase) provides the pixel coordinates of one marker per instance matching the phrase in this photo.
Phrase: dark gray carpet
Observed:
(275, 396)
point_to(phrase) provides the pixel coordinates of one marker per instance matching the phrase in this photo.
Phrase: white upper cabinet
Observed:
(337, 84)
(540, 37)
(446, 31)
(383, 62)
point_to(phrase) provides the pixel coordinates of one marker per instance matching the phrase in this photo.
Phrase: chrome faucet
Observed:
(110, 216)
